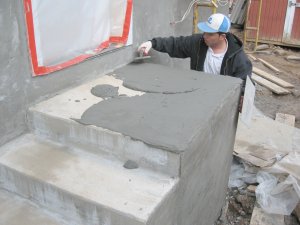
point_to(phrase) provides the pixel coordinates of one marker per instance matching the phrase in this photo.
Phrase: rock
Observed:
(131, 165)
(251, 188)
(262, 47)
(296, 93)
(290, 220)
(247, 203)
(223, 217)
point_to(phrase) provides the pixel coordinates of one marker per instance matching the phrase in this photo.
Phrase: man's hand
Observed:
(145, 47)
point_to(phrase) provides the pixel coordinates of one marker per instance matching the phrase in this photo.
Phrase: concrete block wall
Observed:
(18, 89)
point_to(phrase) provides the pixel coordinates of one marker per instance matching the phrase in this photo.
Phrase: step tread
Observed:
(15, 210)
(101, 181)
(73, 103)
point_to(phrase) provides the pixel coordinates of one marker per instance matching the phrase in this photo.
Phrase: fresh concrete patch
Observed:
(105, 91)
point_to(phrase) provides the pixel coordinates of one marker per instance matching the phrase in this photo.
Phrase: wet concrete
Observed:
(105, 91)
(170, 118)
(152, 78)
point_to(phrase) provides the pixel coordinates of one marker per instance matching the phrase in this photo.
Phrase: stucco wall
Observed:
(18, 89)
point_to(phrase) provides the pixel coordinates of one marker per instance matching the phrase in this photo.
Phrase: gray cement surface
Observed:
(167, 121)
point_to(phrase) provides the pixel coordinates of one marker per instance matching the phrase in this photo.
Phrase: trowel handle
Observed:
(142, 52)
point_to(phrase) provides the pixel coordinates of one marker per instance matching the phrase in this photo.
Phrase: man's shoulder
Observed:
(197, 36)
(194, 38)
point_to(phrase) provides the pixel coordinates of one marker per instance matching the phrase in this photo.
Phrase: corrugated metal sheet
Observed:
(239, 12)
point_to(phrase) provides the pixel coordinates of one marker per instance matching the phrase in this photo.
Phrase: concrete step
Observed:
(15, 210)
(85, 188)
(54, 119)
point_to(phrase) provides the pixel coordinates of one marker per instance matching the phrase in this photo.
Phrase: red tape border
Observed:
(43, 70)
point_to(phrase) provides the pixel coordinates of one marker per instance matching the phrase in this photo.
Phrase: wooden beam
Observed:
(272, 78)
(269, 65)
(286, 119)
(252, 57)
(273, 87)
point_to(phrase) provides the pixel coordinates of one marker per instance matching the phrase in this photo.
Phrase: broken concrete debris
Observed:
(272, 149)
(286, 119)
(279, 51)
(130, 164)
(259, 217)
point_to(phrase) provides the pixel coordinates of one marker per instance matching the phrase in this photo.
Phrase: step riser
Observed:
(76, 210)
(104, 142)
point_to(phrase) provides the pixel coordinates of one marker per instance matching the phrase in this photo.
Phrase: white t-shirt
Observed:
(213, 62)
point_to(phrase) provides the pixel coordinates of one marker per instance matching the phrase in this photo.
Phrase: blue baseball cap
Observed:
(215, 23)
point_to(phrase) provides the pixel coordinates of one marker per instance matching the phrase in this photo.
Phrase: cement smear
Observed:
(167, 121)
(153, 78)
(105, 91)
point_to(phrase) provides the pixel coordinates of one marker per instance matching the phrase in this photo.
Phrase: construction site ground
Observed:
(265, 100)
(270, 103)
(240, 203)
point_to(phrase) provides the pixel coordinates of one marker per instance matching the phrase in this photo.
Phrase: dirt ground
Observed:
(266, 101)
(270, 103)
(239, 206)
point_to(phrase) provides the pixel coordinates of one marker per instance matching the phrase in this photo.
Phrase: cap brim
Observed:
(203, 27)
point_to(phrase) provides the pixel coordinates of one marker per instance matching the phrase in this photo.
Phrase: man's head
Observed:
(215, 23)
(215, 29)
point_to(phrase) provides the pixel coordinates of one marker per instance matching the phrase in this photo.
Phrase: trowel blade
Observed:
(140, 59)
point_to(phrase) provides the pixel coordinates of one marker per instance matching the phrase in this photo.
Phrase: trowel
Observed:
(141, 57)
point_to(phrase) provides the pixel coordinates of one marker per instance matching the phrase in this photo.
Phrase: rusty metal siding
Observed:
(272, 19)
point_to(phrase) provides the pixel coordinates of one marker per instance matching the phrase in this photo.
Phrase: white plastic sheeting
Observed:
(277, 198)
(64, 32)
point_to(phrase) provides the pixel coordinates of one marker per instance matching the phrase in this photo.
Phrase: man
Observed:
(216, 51)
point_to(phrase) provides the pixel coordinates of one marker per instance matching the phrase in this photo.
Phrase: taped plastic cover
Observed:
(65, 32)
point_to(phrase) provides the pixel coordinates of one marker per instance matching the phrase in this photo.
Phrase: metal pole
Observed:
(195, 18)
(258, 24)
(246, 21)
